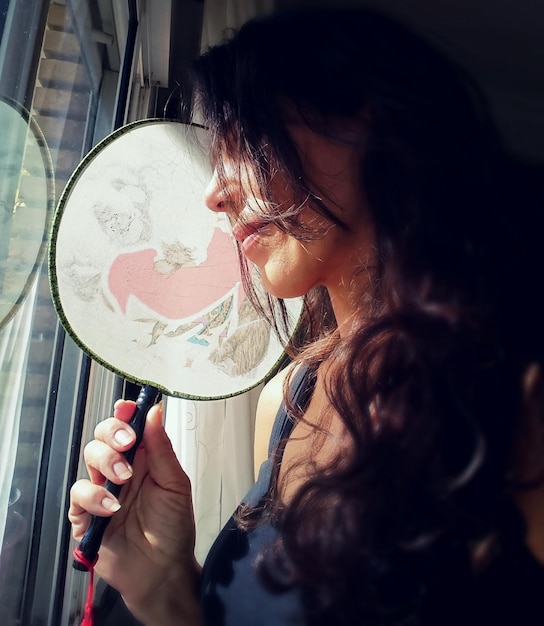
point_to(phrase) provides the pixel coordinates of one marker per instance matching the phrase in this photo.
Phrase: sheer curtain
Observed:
(214, 443)
(214, 440)
(14, 346)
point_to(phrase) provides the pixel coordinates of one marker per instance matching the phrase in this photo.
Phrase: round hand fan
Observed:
(146, 279)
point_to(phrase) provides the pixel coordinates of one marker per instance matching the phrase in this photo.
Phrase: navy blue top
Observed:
(232, 592)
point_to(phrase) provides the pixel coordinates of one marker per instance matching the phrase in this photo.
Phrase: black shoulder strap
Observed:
(300, 392)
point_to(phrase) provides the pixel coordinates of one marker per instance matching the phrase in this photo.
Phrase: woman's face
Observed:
(289, 267)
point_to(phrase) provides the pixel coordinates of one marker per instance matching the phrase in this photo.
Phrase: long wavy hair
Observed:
(428, 383)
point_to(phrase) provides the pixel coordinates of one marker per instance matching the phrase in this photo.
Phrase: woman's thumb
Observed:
(163, 465)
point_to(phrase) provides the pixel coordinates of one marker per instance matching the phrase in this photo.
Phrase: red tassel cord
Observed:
(88, 615)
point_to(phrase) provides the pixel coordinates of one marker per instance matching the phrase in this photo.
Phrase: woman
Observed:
(403, 483)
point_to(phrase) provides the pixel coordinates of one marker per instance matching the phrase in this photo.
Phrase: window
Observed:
(62, 63)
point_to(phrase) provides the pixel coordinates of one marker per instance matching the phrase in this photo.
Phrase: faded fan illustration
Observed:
(146, 278)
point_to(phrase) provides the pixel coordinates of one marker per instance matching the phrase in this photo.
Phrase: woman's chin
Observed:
(282, 289)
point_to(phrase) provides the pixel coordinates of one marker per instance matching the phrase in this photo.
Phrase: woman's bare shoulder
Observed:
(269, 402)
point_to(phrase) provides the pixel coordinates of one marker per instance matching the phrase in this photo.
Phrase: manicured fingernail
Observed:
(122, 470)
(122, 437)
(110, 504)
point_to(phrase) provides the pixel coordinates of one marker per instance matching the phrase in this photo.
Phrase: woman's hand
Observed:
(147, 552)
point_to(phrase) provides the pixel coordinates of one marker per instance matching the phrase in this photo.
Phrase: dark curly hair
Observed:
(428, 385)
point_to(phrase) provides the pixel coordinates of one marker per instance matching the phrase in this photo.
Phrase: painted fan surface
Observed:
(26, 205)
(146, 279)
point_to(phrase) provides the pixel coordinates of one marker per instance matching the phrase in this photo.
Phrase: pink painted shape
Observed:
(186, 292)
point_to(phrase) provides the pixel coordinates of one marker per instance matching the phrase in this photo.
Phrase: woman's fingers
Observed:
(123, 409)
(88, 499)
(115, 433)
(105, 463)
(113, 437)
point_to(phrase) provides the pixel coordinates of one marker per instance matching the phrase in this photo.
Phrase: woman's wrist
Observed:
(176, 602)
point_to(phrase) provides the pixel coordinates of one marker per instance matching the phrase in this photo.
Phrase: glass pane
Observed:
(60, 62)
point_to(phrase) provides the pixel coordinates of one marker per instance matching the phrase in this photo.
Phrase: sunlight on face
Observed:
(288, 266)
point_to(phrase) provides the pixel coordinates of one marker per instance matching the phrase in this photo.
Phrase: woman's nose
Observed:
(213, 196)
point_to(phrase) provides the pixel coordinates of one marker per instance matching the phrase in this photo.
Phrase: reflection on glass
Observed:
(26, 203)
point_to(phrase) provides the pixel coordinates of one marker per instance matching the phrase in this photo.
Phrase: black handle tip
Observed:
(79, 566)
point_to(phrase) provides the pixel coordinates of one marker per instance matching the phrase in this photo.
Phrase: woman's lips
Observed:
(243, 231)
(248, 236)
